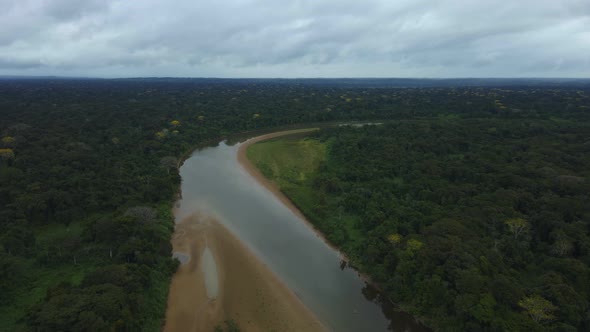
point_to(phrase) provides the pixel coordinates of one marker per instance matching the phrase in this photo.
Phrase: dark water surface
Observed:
(213, 183)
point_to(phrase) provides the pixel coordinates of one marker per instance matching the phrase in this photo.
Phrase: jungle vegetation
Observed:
(471, 224)
(474, 198)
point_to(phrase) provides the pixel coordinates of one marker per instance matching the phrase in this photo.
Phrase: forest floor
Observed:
(249, 293)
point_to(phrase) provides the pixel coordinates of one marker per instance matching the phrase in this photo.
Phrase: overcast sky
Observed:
(297, 38)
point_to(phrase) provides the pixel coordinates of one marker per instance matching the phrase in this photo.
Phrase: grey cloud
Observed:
(296, 38)
(18, 64)
(72, 9)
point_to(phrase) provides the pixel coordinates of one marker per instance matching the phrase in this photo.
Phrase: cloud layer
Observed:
(298, 38)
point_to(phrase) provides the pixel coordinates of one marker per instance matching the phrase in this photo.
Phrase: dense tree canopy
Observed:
(88, 172)
(474, 224)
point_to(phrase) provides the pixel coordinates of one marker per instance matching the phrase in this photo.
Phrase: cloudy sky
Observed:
(296, 38)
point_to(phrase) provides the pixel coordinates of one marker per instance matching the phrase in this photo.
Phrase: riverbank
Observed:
(249, 293)
(275, 189)
(260, 178)
(255, 173)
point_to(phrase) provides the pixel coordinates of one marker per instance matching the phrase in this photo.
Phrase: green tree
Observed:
(517, 226)
(168, 163)
(539, 309)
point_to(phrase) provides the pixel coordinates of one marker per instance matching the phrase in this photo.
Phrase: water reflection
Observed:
(215, 184)
(209, 269)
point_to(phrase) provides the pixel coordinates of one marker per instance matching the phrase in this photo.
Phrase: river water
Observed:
(215, 184)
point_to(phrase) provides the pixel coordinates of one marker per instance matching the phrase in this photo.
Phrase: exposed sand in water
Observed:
(249, 292)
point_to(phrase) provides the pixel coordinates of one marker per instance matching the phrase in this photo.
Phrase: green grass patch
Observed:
(292, 163)
(286, 161)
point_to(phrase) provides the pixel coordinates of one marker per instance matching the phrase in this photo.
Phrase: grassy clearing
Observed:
(292, 164)
(288, 162)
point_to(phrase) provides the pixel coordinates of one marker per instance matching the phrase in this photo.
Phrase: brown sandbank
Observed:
(249, 292)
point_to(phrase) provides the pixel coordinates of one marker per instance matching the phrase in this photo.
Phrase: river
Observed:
(216, 185)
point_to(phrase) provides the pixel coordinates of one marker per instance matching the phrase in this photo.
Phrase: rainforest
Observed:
(464, 205)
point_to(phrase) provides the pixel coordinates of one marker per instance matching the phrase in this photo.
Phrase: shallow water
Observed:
(182, 257)
(209, 269)
(213, 183)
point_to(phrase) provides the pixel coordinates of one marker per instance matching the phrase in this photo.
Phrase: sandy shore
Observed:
(249, 293)
(256, 174)
(274, 188)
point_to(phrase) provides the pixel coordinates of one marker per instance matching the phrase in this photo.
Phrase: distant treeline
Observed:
(351, 82)
(88, 172)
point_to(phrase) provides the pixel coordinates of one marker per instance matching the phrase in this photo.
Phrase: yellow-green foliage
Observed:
(517, 226)
(538, 308)
(394, 238)
(412, 246)
(6, 154)
(8, 141)
(162, 134)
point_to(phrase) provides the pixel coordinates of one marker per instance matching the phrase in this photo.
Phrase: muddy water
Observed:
(210, 274)
(214, 184)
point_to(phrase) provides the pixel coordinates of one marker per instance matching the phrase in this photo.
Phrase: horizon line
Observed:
(296, 78)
